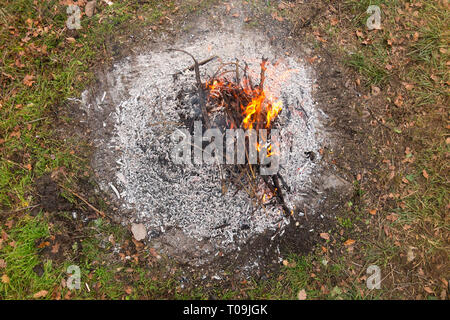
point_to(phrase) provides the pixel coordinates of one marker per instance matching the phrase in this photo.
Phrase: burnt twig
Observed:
(201, 93)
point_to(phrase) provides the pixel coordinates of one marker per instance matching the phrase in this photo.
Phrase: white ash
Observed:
(189, 197)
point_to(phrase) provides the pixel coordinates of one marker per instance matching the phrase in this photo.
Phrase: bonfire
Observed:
(245, 105)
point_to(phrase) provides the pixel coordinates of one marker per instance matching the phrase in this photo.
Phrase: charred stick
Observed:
(280, 196)
(263, 74)
(192, 67)
(247, 76)
(283, 181)
(237, 72)
(201, 93)
(275, 188)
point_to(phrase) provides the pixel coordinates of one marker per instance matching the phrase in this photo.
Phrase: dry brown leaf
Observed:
(40, 294)
(373, 212)
(128, 290)
(277, 17)
(19, 64)
(349, 242)
(302, 295)
(425, 174)
(55, 248)
(5, 278)
(2, 264)
(398, 101)
(325, 236)
(428, 290)
(392, 217)
(408, 86)
(28, 80)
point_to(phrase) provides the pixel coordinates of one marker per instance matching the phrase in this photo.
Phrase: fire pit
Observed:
(196, 212)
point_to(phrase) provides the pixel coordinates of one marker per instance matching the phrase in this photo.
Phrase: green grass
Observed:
(30, 145)
(22, 258)
(374, 73)
(423, 208)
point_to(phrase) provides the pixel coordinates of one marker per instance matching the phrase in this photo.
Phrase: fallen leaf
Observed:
(373, 211)
(43, 244)
(19, 64)
(428, 290)
(325, 236)
(90, 8)
(349, 242)
(425, 174)
(408, 86)
(398, 101)
(302, 295)
(9, 223)
(28, 80)
(128, 290)
(5, 278)
(40, 294)
(277, 17)
(2, 264)
(392, 217)
(55, 248)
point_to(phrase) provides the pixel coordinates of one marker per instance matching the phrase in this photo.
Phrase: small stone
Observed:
(139, 231)
(90, 8)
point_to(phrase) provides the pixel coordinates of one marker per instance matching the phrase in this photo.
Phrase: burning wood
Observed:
(244, 106)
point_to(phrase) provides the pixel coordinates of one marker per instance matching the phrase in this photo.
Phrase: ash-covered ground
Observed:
(182, 206)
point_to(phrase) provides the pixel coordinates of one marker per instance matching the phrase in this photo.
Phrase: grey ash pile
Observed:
(183, 206)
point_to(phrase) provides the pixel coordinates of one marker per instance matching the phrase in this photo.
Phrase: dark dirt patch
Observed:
(49, 195)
